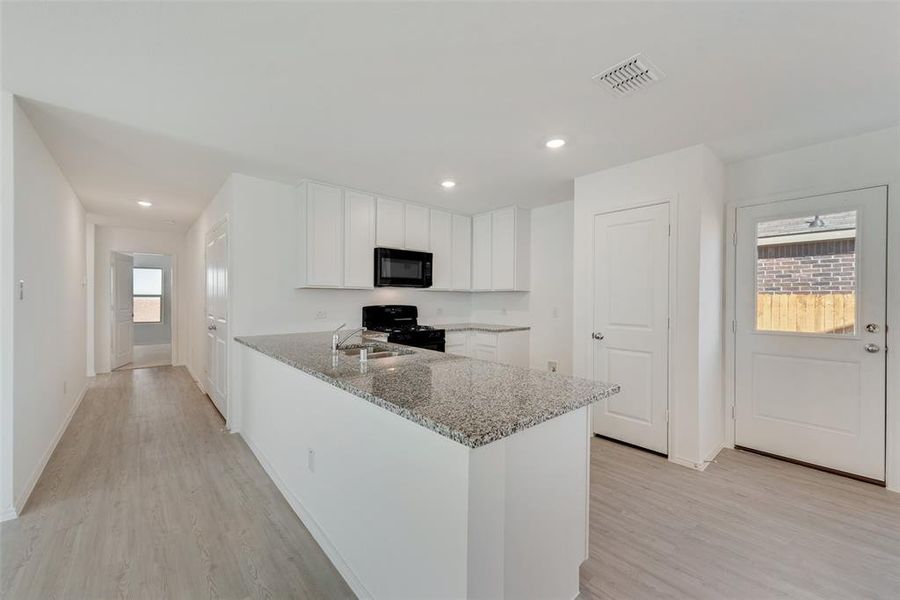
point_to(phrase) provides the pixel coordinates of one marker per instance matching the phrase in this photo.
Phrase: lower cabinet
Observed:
(507, 347)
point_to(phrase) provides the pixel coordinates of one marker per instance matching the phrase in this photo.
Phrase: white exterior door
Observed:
(630, 335)
(810, 330)
(122, 292)
(217, 317)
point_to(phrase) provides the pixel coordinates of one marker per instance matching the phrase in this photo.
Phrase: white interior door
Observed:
(810, 330)
(630, 336)
(217, 317)
(122, 293)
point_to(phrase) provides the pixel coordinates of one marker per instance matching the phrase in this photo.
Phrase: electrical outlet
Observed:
(321, 314)
(552, 366)
(311, 460)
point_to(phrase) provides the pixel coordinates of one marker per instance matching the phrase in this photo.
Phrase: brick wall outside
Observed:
(824, 267)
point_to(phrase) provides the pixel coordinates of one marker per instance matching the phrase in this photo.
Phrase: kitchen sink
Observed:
(375, 351)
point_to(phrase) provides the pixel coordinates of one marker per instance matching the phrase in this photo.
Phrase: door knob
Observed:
(873, 348)
(872, 328)
(597, 335)
(211, 328)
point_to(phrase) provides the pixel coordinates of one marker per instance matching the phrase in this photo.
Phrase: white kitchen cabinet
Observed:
(457, 342)
(481, 252)
(441, 234)
(462, 253)
(501, 252)
(415, 228)
(359, 239)
(321, 244)
(390, 223)
(507, 347)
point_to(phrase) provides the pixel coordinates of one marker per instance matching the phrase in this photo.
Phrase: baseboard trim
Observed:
(22, 500)
(8, 514)
(714, 453)
(195, 378)
(311, 524)
(688, 463)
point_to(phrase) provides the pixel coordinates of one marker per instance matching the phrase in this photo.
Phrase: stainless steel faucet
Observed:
(337, 341)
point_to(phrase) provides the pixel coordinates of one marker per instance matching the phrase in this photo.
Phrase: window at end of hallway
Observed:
(147, 292)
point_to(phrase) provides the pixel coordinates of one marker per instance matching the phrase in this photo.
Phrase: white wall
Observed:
(861, 161)
(692, 181)
(48, 367)
(121, 239)
(146, 334)
(551, 286)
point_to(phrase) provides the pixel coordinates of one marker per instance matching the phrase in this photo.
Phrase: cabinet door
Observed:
(359, 239)
(462, 253)
(416, 228)
(503, 249)
(481, 252)
(324, 235)
(389, 223)
(456, 343)
(485, 353)
(441, 233)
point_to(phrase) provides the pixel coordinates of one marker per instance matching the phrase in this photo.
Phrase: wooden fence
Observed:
(806, 313)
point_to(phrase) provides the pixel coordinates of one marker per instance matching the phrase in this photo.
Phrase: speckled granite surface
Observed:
(470, 401)
(488, 327)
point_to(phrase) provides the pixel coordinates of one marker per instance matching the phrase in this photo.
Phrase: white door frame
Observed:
(176, 333)
(672, 399)
(892, 437)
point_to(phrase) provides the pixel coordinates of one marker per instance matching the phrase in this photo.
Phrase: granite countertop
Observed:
(488, 327)
(470, 401)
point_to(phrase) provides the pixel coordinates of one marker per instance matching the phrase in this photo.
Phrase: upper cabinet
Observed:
(451, 246)
(501, 250)
(359, 239)
(402, 225)
(321, 217)
(416, 227)
(391, 223)
(340, 228)
(337, 238)
(461, 264)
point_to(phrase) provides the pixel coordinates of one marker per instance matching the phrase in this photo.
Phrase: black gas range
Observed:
(400, 322)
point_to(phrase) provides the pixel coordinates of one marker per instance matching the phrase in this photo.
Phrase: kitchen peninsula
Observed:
(423, 474)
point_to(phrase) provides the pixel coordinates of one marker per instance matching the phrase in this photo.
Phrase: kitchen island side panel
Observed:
(385, 498)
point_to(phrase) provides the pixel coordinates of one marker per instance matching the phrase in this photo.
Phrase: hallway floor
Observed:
(148, 497)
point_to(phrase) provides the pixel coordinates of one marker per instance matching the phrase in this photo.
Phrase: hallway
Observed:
(147, 496)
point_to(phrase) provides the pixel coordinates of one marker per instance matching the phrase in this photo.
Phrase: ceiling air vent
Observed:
(629, 76)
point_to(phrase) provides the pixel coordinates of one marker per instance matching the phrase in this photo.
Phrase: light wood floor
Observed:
(749, 527)
(147, 497)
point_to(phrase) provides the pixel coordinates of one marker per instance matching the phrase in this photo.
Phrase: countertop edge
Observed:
(428, 423)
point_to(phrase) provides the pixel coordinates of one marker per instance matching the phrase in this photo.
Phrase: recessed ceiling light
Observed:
(145, 203)
(556, 143)
(448, 183)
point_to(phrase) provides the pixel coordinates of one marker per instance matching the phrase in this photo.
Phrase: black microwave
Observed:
(402, 268)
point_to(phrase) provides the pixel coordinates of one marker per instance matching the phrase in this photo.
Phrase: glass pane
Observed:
(147, 282)
(806, 274)
(147, 309)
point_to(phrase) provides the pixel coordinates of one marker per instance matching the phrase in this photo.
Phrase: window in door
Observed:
(148, 293)
(806, 274)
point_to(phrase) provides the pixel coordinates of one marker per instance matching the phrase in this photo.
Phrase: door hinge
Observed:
(667, 415)
(670, 230)
(732, 412)
(734, 238)
(733, 326)
(668, 322)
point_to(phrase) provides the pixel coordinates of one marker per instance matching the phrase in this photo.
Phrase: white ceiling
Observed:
(161, 99)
